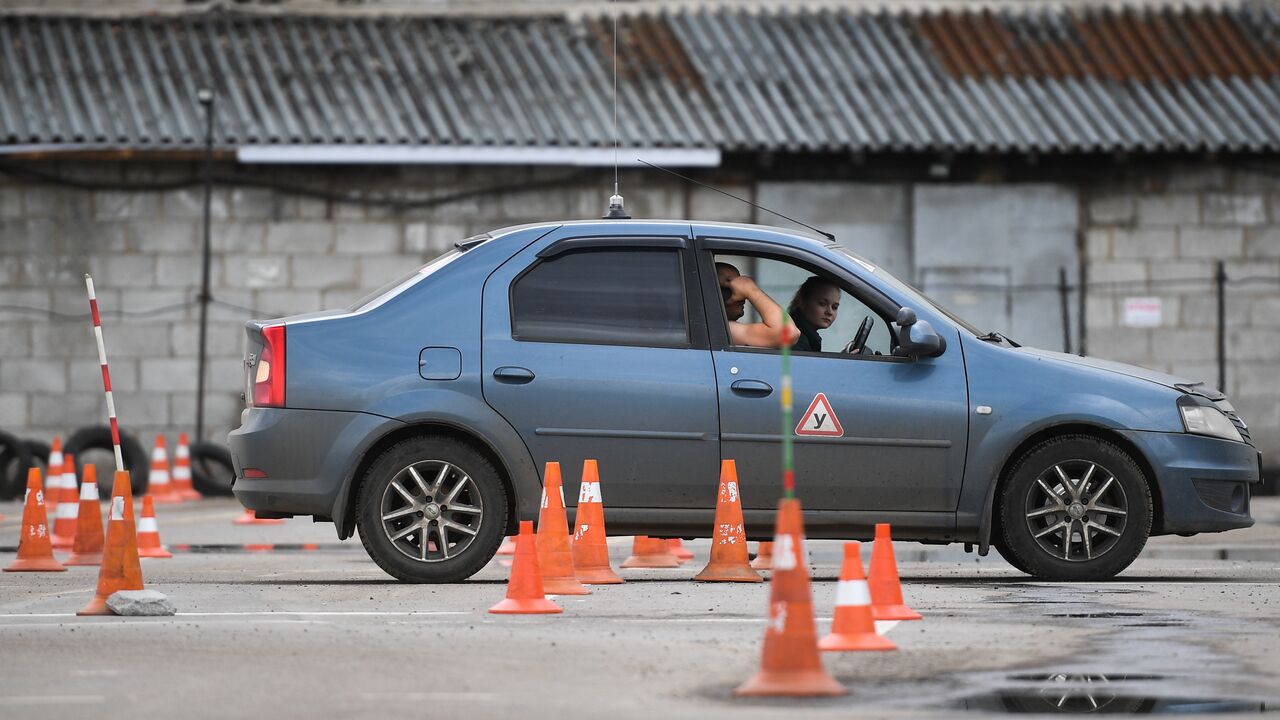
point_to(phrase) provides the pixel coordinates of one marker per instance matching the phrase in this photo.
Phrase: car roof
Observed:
(758, 231)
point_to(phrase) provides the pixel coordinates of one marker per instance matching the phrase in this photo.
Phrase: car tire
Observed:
(211, 469)
(997, 541)
(15, 459)
(136, 459)
(1062, 520)
(457, 473)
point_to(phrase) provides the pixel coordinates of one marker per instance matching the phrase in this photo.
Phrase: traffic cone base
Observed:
(555, 556)
(35, 550)
(728, 561)
(679, 550)
(764, 556)
(790, 683)
(649, 552)
(250, 517)
(860, 641)
(590, 541)
(894, 612)
(727, 572)
(78, 559)
(524, 588)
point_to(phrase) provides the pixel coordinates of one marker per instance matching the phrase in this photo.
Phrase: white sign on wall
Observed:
(1143, 311)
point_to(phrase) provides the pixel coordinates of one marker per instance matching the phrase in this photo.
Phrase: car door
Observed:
(590, 352)
(885, 433)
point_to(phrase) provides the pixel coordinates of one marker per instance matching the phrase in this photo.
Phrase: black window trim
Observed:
(717, 322)
(695, 332)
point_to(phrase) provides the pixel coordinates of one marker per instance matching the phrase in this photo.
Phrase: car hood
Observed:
(1159, 378)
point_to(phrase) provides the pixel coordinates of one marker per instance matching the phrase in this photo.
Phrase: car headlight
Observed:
(1208, 420)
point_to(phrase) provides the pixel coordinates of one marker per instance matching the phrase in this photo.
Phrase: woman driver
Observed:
(814, 308)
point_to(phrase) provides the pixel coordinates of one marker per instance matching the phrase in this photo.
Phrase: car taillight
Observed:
(268, 383)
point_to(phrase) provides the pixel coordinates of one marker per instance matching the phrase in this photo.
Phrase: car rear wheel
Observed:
(1075, 508)
(431, 510)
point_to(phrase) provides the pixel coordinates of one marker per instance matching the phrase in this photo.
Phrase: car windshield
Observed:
(913, 295)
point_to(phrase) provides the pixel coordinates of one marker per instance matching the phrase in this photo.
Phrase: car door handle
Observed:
(752, 388)
(513, 375)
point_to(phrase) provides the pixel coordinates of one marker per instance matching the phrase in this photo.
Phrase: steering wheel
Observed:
(859, 340)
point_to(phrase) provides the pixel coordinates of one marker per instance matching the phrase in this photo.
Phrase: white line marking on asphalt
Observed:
(52, 699)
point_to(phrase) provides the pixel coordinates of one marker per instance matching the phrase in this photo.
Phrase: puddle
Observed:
(1073, 694)
(1095, 615)
(1070, 701)
(258, 548)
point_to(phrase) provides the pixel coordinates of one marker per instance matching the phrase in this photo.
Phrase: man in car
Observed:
(738, 290)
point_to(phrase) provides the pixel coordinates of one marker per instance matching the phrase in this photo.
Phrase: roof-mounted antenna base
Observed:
(615, 209)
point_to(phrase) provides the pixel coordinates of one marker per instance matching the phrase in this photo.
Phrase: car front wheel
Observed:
(1075, 508)
(431, 510)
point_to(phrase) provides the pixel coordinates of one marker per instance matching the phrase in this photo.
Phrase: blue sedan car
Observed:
(421, 415)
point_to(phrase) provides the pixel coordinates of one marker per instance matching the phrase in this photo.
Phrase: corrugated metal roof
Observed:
(823, 80)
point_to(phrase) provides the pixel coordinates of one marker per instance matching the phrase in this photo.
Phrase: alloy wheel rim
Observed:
(431, 511)
(1076, 510)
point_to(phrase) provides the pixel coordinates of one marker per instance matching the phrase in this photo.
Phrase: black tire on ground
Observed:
(136, 459)
(15, 459)
(211, 469)
(39, 450)
(484, 491)
(1113, 496)
(997, 541)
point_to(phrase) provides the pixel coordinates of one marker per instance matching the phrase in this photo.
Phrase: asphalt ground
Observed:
(312, 628)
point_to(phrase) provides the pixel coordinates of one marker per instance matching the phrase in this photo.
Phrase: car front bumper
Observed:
(307, 456)
(1203, 483)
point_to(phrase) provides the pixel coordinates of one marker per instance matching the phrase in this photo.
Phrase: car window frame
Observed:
(718, 321)
(696, 336)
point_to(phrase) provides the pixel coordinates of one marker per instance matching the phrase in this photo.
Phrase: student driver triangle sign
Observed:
(820, 419)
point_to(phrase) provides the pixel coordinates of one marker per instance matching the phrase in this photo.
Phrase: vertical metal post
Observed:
(1082, 299)
(206, 99)
(1220, 283)
(1064, 297)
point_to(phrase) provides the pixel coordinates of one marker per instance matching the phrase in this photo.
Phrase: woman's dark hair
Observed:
(808, 289)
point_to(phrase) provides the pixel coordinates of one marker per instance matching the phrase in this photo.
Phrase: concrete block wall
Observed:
(1159, 234)
(275, 252)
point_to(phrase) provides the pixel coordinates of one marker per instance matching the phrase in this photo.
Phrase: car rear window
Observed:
(395, 287)
(618, 297)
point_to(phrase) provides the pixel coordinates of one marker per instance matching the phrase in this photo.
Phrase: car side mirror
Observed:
(917, 338)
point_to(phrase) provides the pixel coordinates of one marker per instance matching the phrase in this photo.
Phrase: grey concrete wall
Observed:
(1158, 234)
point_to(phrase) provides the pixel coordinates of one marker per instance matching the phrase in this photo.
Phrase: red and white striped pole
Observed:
(106, 374)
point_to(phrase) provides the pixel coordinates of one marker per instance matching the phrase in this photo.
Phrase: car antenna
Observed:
(615, 201)
(686, 178)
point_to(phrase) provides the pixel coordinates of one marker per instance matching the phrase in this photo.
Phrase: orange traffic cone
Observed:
(35, 551)
(852, 627)
(728, 561)
(54, 469)
(679, 550)
(64, 521)
(555, 559)
(182, 471)
(87, 549)
(886, 588)
(160, 485)
(524, 589)
(149, 533)
(649, 552)
(590, 542)
(790, 664)
(764, 556)
(120, 567)
(250, 517)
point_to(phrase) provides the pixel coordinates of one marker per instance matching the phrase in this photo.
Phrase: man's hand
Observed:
(743, 288)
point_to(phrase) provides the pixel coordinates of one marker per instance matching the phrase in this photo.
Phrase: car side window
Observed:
(830, 312)
(632, 296)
